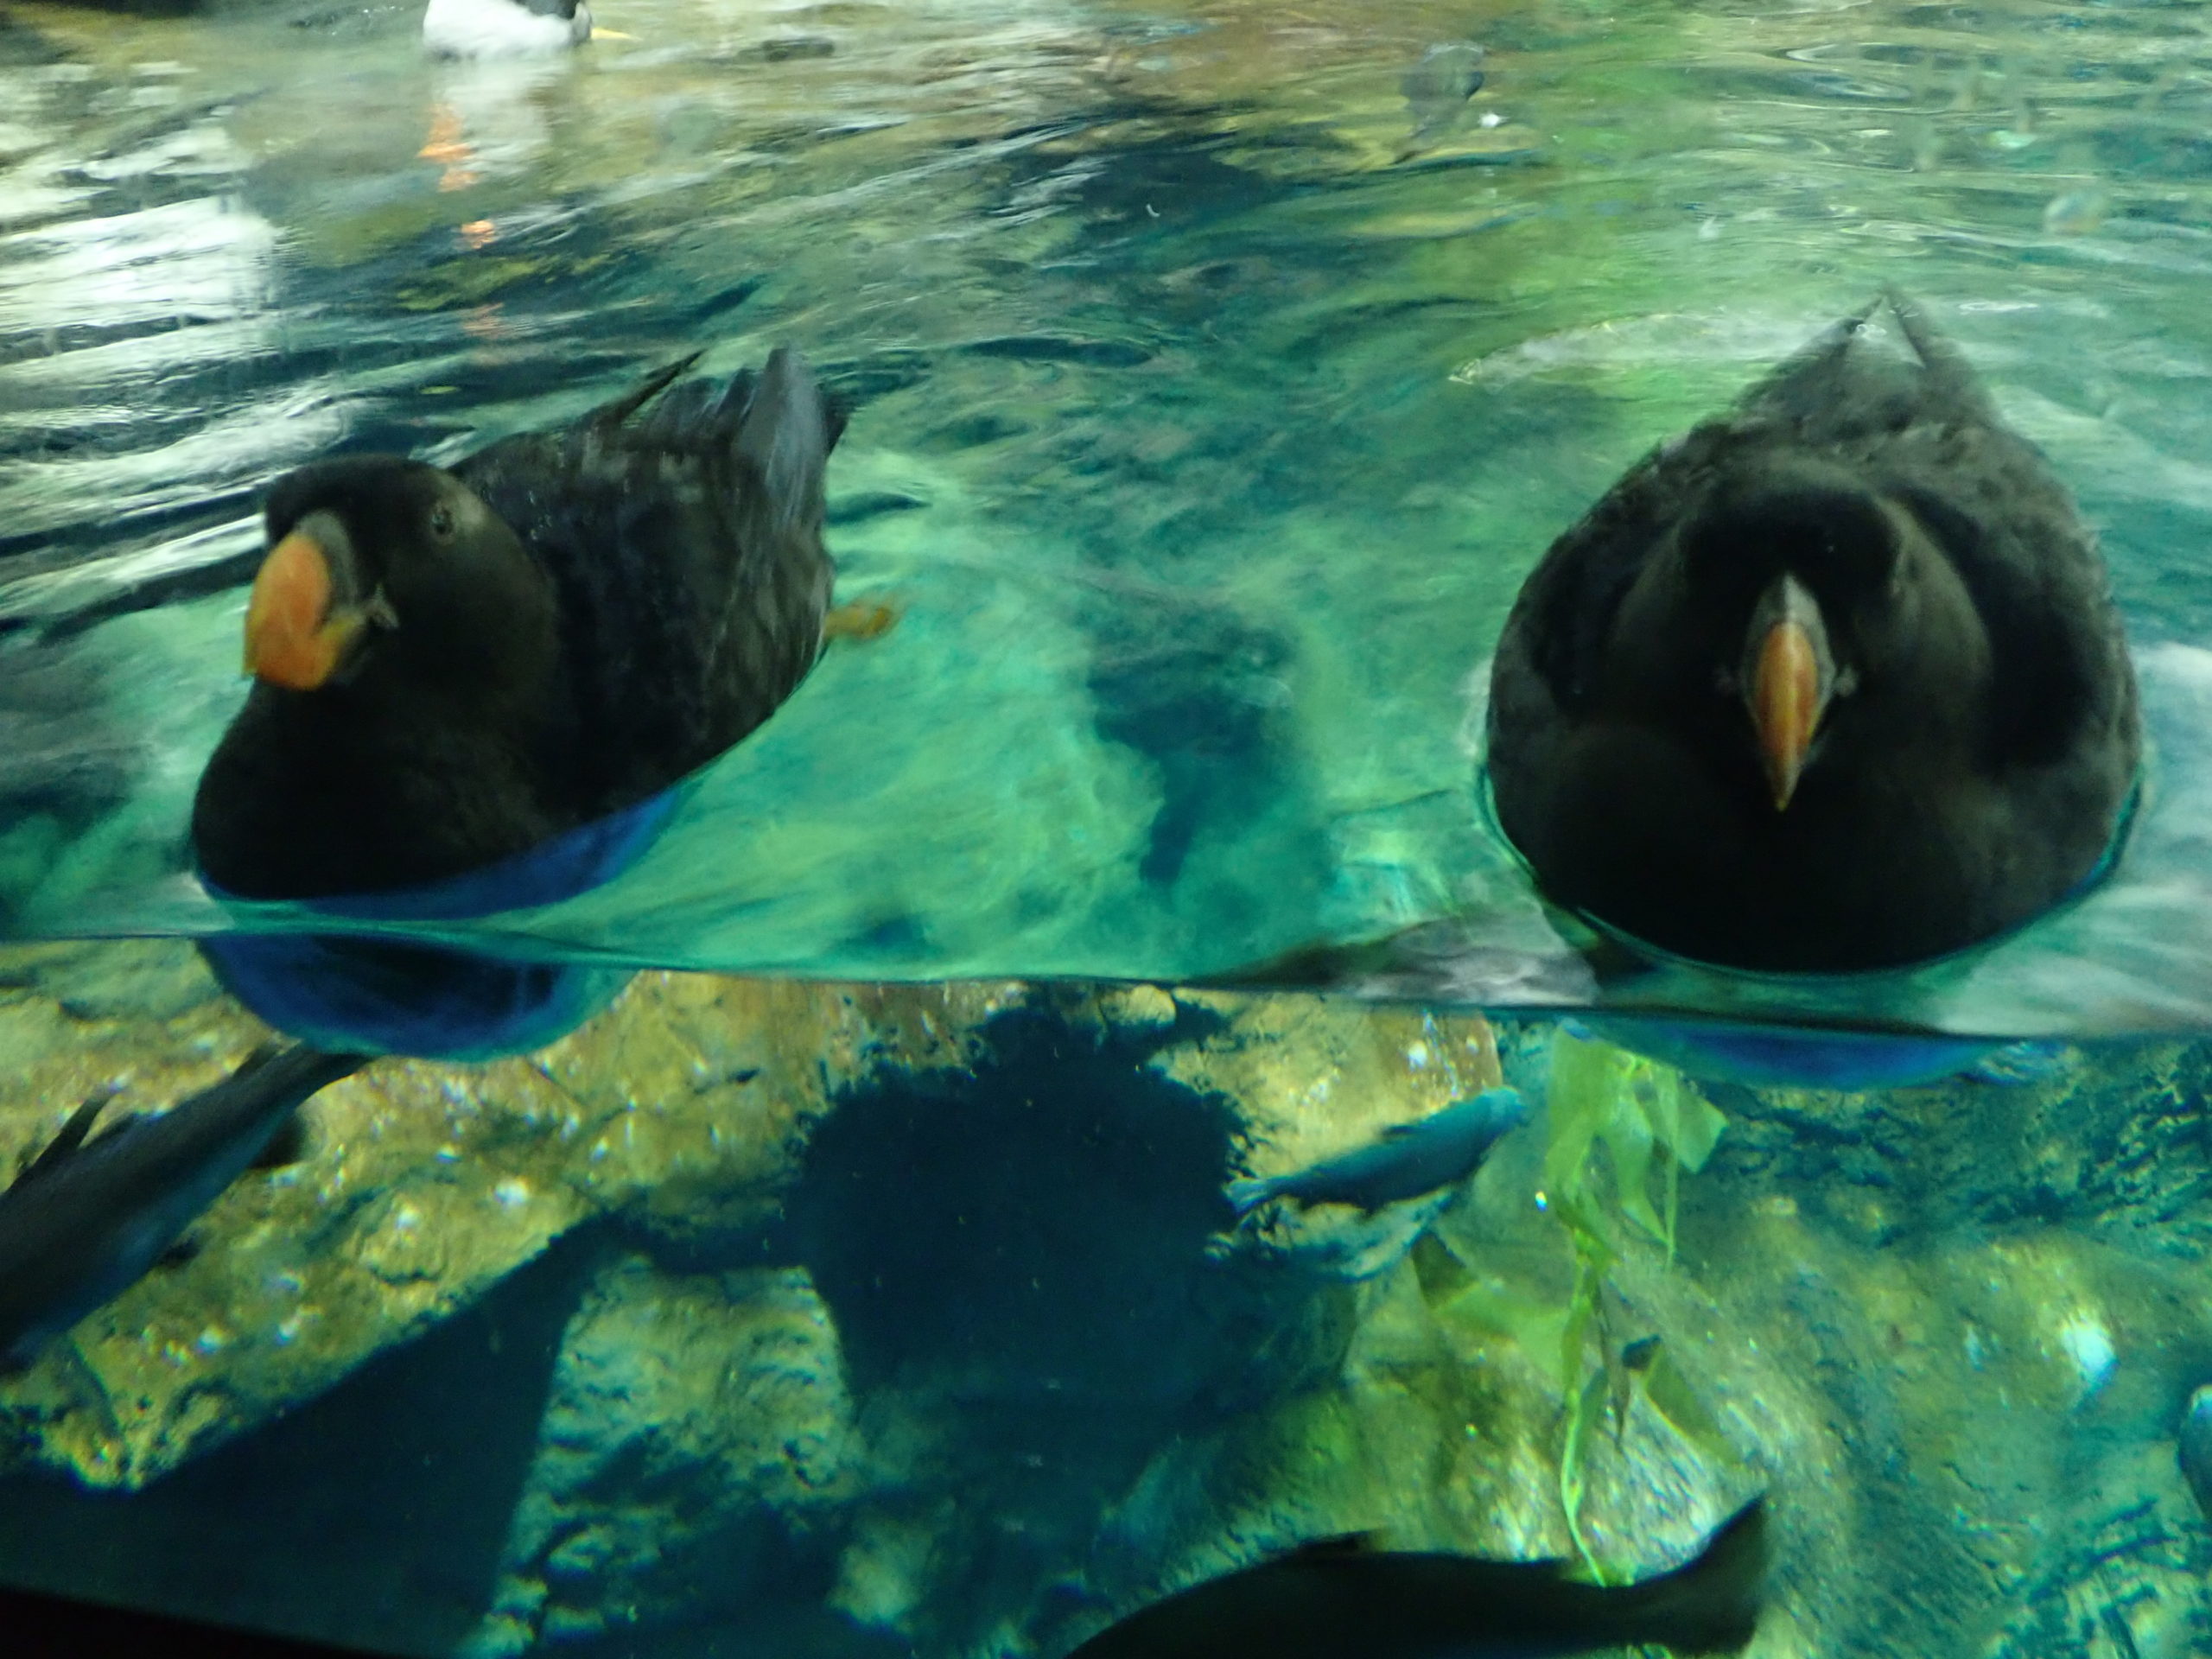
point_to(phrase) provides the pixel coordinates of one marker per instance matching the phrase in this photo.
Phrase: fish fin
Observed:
(56, 1152)
(621, 409)
(298, 1069)
(289, 1145)
(296, 1072)
(1711, 1604)
(1247, 1194)
(1391, 1132)
(787, 434)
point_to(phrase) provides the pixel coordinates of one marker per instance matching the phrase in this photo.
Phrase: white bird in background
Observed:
(504, 28)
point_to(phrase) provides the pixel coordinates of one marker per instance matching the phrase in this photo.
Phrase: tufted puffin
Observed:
(1834, 681)
(454, 667)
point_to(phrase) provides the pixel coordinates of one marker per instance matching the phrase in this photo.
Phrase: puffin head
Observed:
(1821, 612)
(380, 568)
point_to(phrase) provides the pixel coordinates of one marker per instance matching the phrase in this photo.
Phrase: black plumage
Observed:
(1832, 682)
(559, 627)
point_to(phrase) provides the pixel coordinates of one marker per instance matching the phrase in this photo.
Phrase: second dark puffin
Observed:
(457, 666)
(1833, 683)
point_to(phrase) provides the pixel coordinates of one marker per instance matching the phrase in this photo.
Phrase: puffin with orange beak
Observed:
(453, 667)
(1834, 681)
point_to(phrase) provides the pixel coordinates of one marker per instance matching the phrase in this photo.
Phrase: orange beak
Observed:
(292, 638)
(1786, 704)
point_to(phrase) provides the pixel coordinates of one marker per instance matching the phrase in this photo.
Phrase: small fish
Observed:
(1338, 1600)
(1410, 1160)
(1437, 89)
(2193, 1444)
(87, 1219)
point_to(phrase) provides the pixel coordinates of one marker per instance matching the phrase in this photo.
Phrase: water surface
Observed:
(1206, 424)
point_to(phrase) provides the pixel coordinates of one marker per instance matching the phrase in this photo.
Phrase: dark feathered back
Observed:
(1971, 766)
(692, 583)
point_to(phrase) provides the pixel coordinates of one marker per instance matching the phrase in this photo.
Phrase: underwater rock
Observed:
(1013, 1263)
(682, 1107)
(699, 1441)
(912, 1320)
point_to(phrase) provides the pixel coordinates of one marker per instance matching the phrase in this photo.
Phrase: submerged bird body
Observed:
(1832, 683)
(87, 1219)
(503, 28)
(459, 666)
(1338, 1600)
(1408, 1160)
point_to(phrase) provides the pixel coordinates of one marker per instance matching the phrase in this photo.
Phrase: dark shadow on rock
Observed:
(1017, 1261)
(375, 1515)
(1037, 1227)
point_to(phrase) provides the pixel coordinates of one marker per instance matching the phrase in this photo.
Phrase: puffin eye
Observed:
(442, 522)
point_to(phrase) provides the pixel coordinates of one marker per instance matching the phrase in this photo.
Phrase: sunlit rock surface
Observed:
(698, 1436)
(683, 1106)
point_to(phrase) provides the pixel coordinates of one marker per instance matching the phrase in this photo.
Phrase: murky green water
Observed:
(1204, 433)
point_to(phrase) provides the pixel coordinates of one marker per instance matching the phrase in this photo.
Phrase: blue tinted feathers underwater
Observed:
(1407, 1161)
(392, 997)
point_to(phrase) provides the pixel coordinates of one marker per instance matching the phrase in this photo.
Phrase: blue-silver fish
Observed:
(88, 1218)
(1340, 1600)
(1410, 1160)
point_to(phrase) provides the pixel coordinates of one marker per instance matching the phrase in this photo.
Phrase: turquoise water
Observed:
(1204, 433)
(1210, 404)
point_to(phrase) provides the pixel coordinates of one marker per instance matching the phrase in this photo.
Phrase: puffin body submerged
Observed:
(457, 666)
(1832, 683)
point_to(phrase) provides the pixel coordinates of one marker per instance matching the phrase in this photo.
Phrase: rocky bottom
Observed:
(841, 1321)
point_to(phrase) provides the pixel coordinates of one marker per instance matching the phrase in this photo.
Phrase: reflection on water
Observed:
(1206, 421)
